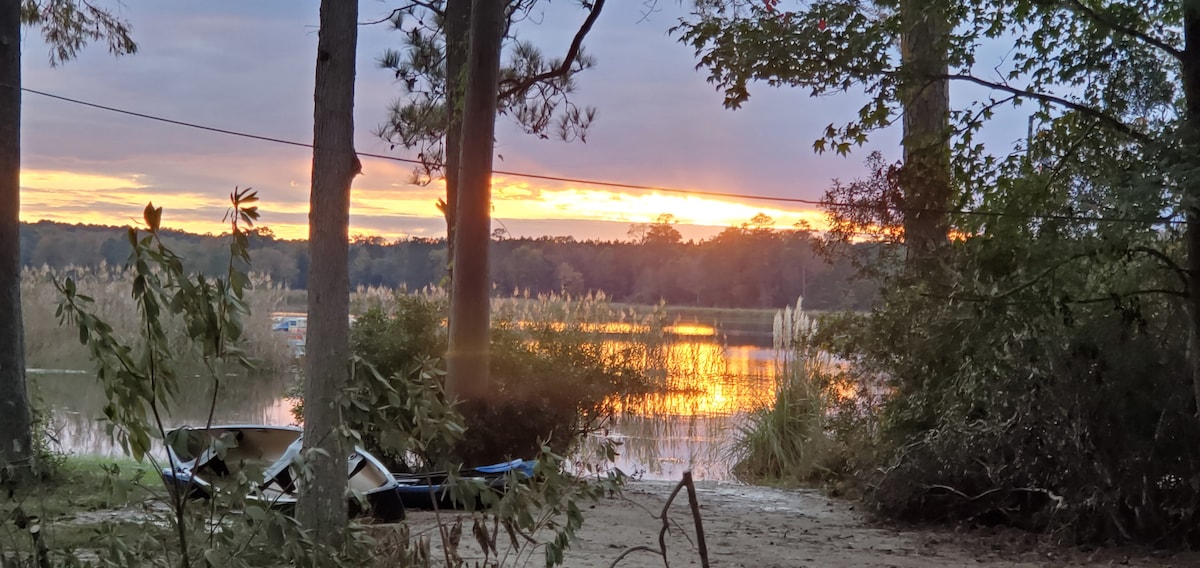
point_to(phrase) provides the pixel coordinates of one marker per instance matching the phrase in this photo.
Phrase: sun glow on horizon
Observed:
(110, 199)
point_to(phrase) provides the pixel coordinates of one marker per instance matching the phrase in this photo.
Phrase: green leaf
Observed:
(255, 513)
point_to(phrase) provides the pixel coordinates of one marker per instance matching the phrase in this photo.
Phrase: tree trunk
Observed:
(15, 418)
(15, 430)
(1190, 169)
(458, 28)
(467, 357)
(322, 507)
(925, 176)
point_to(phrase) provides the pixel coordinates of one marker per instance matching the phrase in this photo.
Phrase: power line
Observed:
(620, 185)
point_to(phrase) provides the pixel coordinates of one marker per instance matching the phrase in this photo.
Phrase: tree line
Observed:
(749, 266)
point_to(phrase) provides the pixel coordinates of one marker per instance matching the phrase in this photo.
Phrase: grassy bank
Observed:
(79, 507)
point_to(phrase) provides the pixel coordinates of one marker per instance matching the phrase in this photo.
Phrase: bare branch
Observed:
(1047, 98)
(413, 4)
(1101, 19)
(650, 7)
(695, 506)
(520, 86)
(629, 551)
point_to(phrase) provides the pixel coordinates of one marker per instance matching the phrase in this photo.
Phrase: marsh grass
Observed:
(50, 345)
(789, 441)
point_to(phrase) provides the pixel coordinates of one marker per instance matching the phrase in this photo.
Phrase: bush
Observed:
(554, 377)
(1028, 386)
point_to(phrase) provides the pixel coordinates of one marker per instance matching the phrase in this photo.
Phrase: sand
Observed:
(759, 527)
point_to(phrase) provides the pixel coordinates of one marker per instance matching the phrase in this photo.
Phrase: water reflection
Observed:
(688, 423)
(76, 405)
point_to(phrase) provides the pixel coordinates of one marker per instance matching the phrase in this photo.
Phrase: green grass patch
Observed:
(84, 504)
(84, 483)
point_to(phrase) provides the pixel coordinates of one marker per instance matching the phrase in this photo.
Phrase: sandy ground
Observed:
(757, 527)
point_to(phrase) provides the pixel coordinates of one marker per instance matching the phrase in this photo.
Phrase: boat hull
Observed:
(270, 449)
(433, 491)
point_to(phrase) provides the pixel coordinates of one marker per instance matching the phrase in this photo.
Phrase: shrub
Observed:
(554, 376)
(1035, 385)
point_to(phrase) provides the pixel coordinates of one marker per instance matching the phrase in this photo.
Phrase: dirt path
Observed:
(757, 527)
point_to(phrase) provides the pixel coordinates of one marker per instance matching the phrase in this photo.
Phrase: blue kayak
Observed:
(432, 490)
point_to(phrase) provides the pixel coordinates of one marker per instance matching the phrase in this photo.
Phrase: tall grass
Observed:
(623, 336)
(49, 345)
(789, 441)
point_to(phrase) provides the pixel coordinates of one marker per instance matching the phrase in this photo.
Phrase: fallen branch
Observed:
(631, 550)
(694, 503)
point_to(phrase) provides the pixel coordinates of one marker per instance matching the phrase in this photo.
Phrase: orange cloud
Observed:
(516, 202)
(110, 199)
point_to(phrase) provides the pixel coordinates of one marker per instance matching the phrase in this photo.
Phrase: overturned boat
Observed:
(200, 457)
(435, 490)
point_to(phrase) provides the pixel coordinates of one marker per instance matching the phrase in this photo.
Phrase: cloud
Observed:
(248, 66)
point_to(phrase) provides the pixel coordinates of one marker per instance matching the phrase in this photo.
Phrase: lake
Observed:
(713, 382)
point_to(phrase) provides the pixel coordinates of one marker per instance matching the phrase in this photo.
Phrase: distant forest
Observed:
(752, 266)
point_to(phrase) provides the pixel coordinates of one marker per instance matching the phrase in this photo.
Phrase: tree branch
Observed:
(516, 86)
(1046, 98)
(1166, 260)
(415, 3)
(1099, 18)
(1109, 298)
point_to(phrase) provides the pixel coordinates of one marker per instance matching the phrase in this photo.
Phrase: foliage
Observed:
(534, 89)
(1041, 383)
(1038, 376)
(48, 459)
(1053, 411)
(142, 384)
(555, 378)
(396, 405)
(68, 25)
(822, 426)
(1112, 65)
(138, 379)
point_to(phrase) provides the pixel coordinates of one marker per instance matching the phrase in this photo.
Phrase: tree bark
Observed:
(15, 428)
(467, 357)
(322, 508)
(458, 28)
(925, 176)
(1190, 168)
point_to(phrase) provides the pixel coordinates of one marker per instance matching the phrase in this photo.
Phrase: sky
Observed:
(248, 66)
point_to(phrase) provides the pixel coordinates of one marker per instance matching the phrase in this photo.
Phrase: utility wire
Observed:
(620, 185)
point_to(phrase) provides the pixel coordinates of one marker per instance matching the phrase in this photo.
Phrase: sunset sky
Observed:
(248, 66)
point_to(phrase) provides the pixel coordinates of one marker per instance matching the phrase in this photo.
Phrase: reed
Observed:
(50, 345)
(789, 440)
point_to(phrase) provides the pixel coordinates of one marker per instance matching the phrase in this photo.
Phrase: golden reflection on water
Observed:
(689, 424)
(708, 379)
(629, 328)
